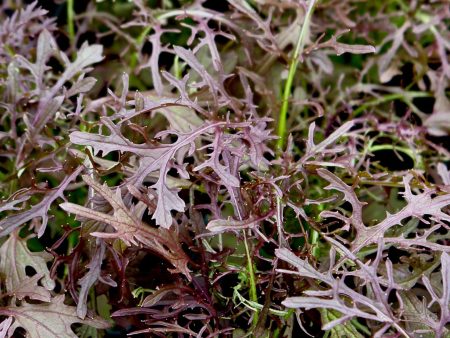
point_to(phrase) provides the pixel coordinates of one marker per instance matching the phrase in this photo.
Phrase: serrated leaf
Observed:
(153, 158)
(227, 178)
(90, 278)
(318, 148)
(82, 86)
(47, 320)
(220, 225)
(443, 297)
(341, 48)
(384, 62)
(369, 308)
(167, 200)
(15, 257)
(11, 205)
(86, 56)
(46, 47)
(416, 315)
(181, 118)
(130, 228)
(29, 288)
(50, 107)
(40, 210)
(156, 296)
(321, 303)
(418, 205)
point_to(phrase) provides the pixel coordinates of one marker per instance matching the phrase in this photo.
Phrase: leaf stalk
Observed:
(281, 132)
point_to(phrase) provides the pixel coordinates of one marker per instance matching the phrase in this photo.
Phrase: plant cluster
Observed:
(225, 169)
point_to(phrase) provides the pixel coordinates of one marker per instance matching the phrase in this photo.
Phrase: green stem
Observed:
(276, 333)
(360, 327)
(177, 68)
(251, 275)
(70, 22)
(314, 243)
(140, 42)
(292, 68)
(406, 97)
(417, 159)
(314, 237)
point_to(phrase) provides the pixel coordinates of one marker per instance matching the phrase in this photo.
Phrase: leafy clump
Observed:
(236, 168)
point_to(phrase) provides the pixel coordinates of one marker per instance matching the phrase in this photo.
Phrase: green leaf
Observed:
(343, 330)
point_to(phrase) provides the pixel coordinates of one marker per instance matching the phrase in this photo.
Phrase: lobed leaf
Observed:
(130, 229)
(15, 258)
(52, 319)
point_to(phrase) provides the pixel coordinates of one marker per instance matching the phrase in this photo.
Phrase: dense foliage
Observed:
(225, 168)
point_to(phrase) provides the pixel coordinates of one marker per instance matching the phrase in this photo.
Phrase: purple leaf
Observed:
(15, 257)
(81, 86)
(4, 327)
(90, 278)
(167, 200)
(52, 319)
(222, 171)
(444, 299)
(129, 228)
(418, 205)
(10, 223)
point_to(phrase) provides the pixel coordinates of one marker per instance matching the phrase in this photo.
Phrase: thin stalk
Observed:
(360, 327)
(290, 79)
(251, 273)
(405, 97)
(315, 242)
(378, 183)
(177, 67)
(139, 42)
(276, 333)
(314, 236)
(251, 276)
(70, 22)
(418, 163)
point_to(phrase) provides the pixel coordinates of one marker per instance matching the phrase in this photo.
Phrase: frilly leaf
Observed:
(52, 319)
